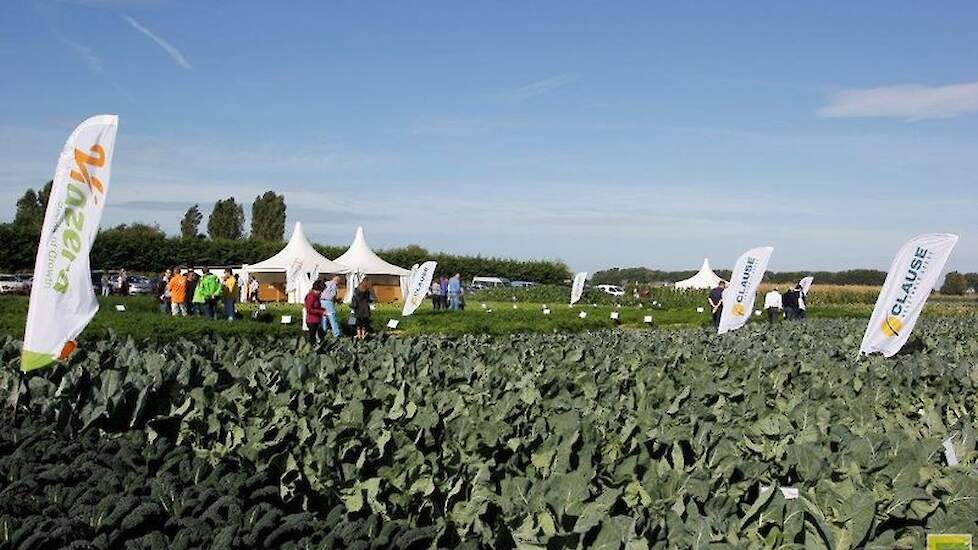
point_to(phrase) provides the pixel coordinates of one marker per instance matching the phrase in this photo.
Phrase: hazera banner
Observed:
(62, 298)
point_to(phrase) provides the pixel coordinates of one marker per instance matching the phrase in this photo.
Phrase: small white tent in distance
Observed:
(704, 279)
(281, 276)
(387, 281)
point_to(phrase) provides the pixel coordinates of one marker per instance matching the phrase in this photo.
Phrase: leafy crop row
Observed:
(635, 439)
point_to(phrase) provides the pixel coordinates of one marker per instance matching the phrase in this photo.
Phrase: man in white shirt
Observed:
(772, 304)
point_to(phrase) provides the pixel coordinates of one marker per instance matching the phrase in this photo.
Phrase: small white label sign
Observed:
(699, 310)
(949, 454)
(483, 306)
(582, 314)
(372, 307)
(546, 311)
(757, 312)
(647, 319)
(262, 307)
(286, 319)
(120, 307)
(614, 315)
(392, 323)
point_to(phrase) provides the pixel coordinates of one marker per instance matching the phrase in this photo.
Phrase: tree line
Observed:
(146, 248)
(959, 283)
(644, 275)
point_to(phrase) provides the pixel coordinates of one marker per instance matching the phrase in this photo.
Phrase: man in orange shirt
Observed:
(178, 292)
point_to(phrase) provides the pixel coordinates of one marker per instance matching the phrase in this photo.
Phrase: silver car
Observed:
(14, 284)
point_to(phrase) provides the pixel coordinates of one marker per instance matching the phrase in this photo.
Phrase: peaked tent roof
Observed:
(705, 278)
(298, 249)
(359, 258)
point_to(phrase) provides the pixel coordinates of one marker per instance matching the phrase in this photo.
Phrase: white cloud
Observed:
(86, 54)
(907, 101)
(541, 87)
(170, 49)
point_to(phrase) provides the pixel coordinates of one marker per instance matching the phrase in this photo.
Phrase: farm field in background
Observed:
(142, 320)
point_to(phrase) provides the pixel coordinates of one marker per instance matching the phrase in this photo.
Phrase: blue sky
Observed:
(626, 133)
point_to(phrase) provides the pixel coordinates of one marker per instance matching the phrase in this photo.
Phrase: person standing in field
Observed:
(207, 293)
(791, 298)
(229, 287)
(454, 291)
(105, 283)
(716, 302)
(253, 286)
(361, 308)
(772, 304)
(314, 313)
(443, 292)
(802, 303)
(162, 292)
(328, 300)
(191, 291)
(123, 283)
(177, 286)
(435, 291)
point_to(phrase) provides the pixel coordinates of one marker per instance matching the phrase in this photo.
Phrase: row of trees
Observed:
(146, 248)
(226, 220)
(617, 276)
(959, 283)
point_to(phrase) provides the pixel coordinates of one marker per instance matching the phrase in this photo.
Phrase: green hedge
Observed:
(142, 248)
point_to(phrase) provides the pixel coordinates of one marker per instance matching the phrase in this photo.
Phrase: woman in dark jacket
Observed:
(361, 308)
(314, 313)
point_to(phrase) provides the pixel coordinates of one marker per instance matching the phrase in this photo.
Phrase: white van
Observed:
(489, 282)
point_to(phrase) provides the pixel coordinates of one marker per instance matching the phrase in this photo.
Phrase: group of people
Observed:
(447, 293)
(184, 292)
(105, 283)
(320, 304)
(791, 304)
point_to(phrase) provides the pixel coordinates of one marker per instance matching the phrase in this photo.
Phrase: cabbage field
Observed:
(602, 439)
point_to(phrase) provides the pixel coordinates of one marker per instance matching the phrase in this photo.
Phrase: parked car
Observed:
(522, 284)
(137, 284)
(614, 290)
(14, 284)
(141, 285)
(490, 282)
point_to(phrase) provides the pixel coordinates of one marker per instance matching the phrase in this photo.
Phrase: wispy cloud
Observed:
(541, 87)
(907, 101)
(170, 49)
(86, 54)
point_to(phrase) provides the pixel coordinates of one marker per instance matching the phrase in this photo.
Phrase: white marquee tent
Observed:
(705, 278)
(360, 261)
(296, 264)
